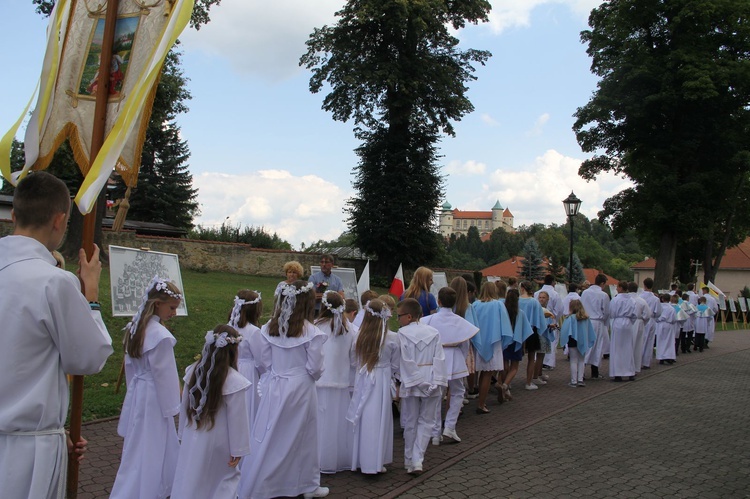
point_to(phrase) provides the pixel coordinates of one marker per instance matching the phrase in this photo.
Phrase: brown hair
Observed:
(371, 337)
(389, 301)
(366, 296)
(447, 297)
(576, 309)
(249, 314)
(304, 308)
(134, 344)
(412, 307)
(460, 286)
(488, 292)
(38, 198)
(225, 358)
(326, 315)
(502, 288)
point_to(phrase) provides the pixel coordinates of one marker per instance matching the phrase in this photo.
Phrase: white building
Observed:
(455, 221)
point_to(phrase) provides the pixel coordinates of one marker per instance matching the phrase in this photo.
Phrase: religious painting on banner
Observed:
(131, 271)
(125, 34)
(348, 279)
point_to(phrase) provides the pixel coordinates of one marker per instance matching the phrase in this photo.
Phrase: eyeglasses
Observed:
(401, 315)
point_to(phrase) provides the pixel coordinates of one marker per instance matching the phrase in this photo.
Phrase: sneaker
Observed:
(581, 384)
(319, 492)
(532, 386)
(544, 377)
(407, 465)
(598, 376)
(437, 440)
(451, 433)
(415, 469)
(539, 381)
(573, 384)
(472, 394)
(465, 401)
(545, 367)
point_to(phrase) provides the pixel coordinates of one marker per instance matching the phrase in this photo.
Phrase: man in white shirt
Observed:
(596, 303)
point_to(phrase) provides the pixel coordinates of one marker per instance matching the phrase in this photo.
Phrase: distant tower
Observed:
(497, 216)
(446, 220)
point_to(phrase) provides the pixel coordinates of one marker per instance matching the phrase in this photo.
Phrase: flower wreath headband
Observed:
(220, 340)
(336, 311)
(384, 314)
(289, 297)
(238, 304)
(159, 284)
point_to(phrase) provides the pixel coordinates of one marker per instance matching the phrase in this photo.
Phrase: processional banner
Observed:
(145, 32)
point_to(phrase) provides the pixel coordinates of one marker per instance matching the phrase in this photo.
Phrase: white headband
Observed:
(336, 311)
(238, 304)
(288, 293)
(220, 341)
(384, 314)
(159, 284)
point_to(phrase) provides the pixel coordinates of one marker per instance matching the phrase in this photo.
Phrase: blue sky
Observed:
(265, 154)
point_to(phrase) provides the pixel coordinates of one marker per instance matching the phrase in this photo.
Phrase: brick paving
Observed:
(678, 431)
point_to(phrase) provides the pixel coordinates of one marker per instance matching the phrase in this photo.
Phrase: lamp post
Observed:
(572, 204)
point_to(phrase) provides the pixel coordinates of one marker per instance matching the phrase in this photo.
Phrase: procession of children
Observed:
(267, 408)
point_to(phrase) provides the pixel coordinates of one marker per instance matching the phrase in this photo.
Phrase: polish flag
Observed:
(397, 286)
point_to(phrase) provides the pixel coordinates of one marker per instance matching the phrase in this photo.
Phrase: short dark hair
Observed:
(690, 286)
(38, 198)
(447, 297)
(632, 287)
(572, 287)
(327, 256)
(648, 283)
(549, 279)
(600, 279)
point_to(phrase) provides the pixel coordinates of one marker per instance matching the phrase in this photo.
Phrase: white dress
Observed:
(247, 351)
(202, 468)
(665, 333)
(284, 440)
(149, 453)
(335, 433)
(623, 315)
(48, 330)
(596, 303)
(371, 413)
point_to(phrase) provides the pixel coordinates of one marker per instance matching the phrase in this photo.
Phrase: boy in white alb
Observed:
(422, 374)
(455, 333)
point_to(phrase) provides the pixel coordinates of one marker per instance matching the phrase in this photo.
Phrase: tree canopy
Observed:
(395, 69)
(671, 112)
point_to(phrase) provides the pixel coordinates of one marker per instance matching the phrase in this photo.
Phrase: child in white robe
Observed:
(376, 355)
(665, 353)
(579, 336)
(334, 431)
(149, 452)
(423, 372)
(213, 430)
(245, 317)
(703, 317)
(455, 333)
(284, 460)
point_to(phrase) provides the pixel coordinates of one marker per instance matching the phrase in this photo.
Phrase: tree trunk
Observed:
(665, 261)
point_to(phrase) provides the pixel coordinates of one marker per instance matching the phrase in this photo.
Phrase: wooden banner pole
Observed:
(89, 220)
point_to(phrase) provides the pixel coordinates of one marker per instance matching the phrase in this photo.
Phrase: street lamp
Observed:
(572, 204)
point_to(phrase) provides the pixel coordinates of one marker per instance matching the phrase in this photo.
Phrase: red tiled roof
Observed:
(471, 214)
(590, 275)
(737, 257)
(507, 213)
(509, 268)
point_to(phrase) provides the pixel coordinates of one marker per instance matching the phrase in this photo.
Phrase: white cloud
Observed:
(298, 209)
(470, 167)
(489, 120)
(262, 39)
(538, 125)
(508, 14)
(534, 193)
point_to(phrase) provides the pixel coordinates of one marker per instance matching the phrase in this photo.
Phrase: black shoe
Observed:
(661, 362)
(631, 378)
(617, 378)
(606, 355)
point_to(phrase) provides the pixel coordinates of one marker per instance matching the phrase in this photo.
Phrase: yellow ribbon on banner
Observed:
(107, 158)
(47, 79)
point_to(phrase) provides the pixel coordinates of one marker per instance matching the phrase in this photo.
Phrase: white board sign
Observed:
(743, 303)
(439, 280)
(131, 271)
(732, 306)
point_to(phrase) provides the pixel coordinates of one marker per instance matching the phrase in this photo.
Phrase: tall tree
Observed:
(671, 112)
(165, 192)
(396, 70)
(532, 267)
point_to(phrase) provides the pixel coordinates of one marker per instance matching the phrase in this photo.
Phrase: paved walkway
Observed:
(678, 431)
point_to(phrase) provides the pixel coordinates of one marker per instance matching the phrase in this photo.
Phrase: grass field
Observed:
(209, 298)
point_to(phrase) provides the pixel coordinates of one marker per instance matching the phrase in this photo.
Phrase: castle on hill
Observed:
(455, 221)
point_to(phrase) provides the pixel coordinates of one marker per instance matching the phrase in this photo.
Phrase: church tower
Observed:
(446, 219)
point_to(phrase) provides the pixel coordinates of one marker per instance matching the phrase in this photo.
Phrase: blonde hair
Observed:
(389, 301)
(577, 310)
(295, 266)
(488, 292)
(420, 281)
(371, 337)
(134, 343)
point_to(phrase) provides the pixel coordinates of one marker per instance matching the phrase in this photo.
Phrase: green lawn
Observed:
(209, 299)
